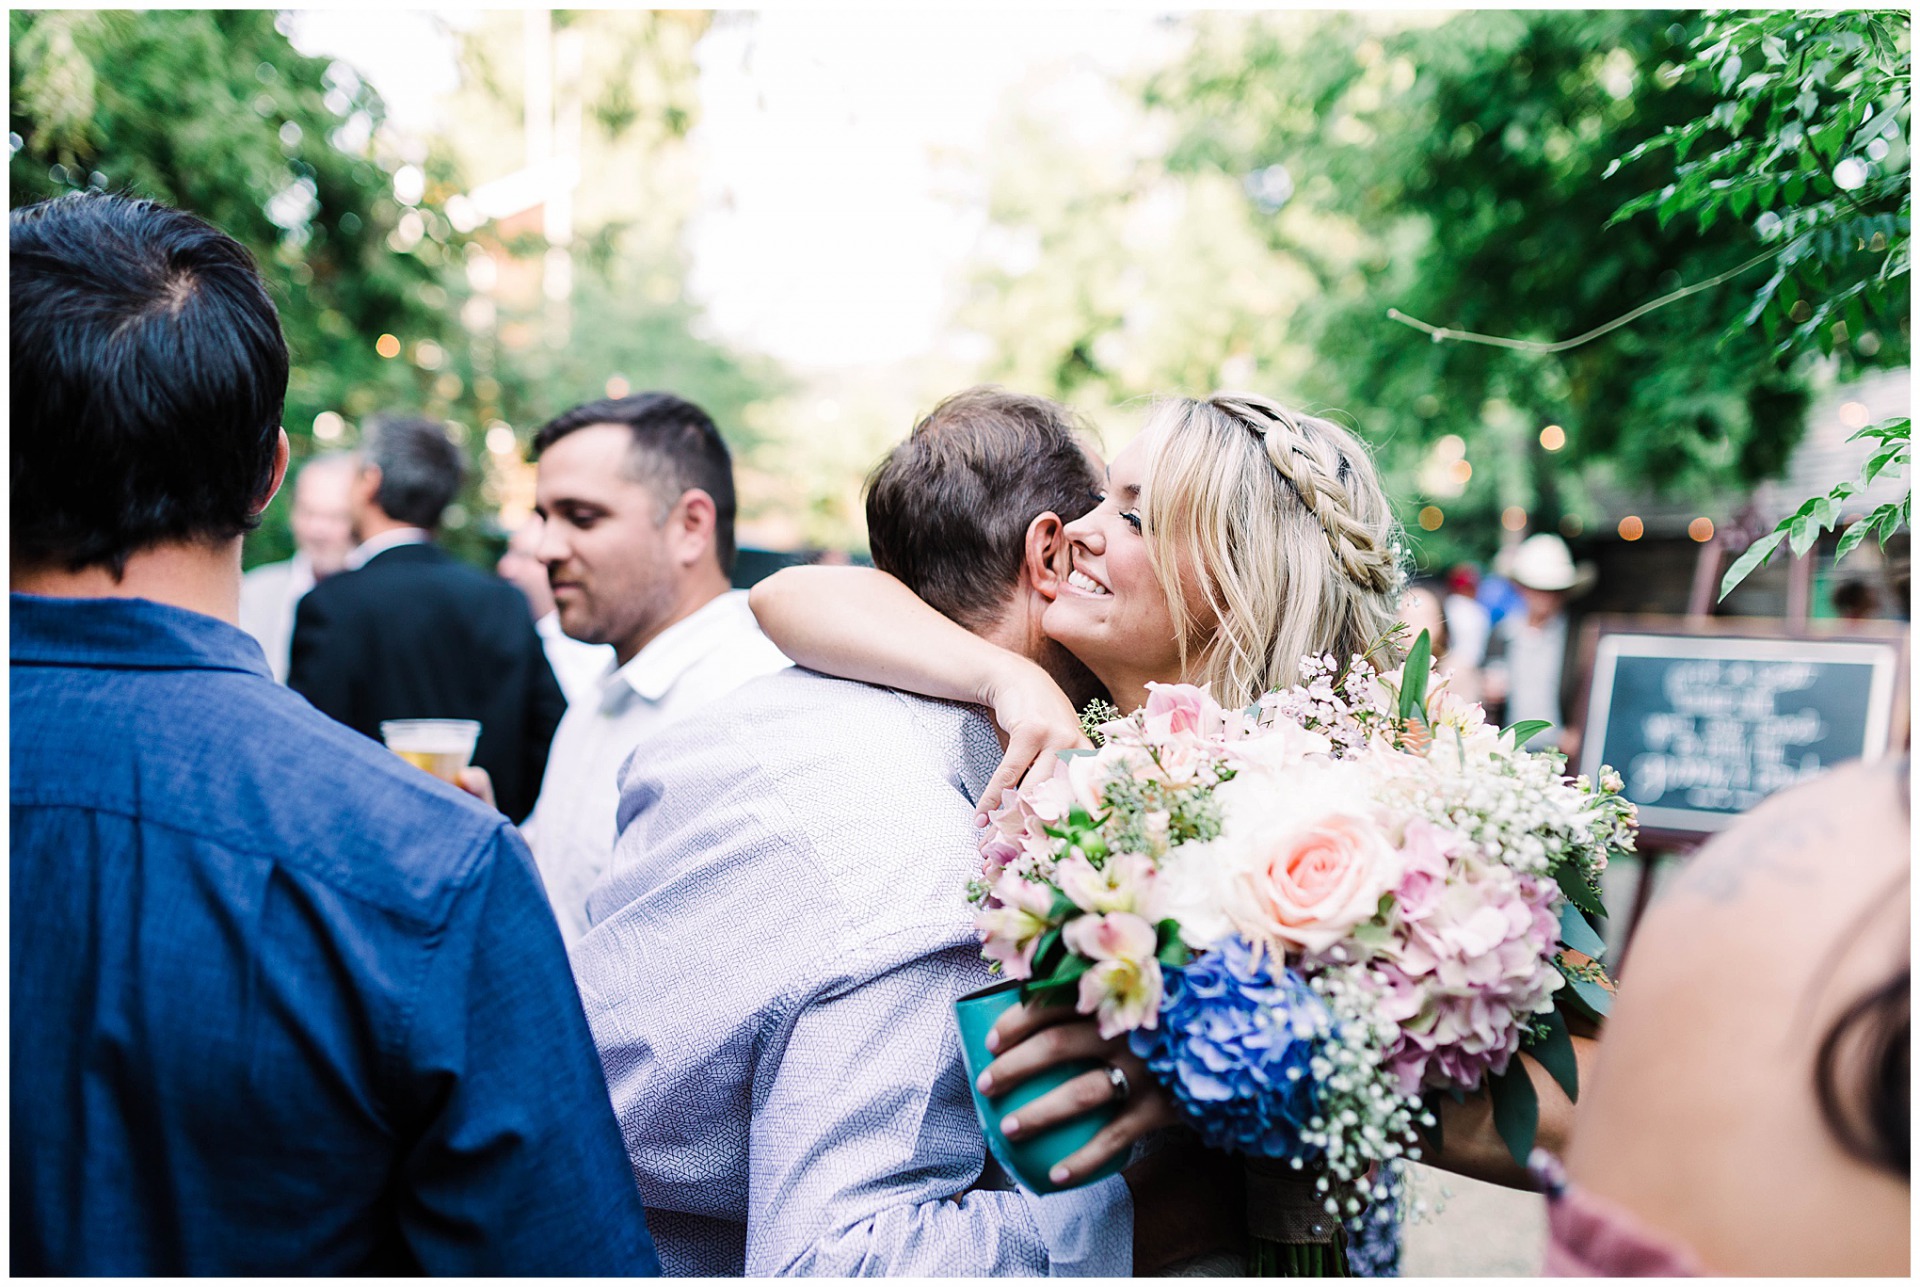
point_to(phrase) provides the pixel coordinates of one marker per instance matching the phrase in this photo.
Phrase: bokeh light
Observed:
(1513, 518)
(617, 387)
(1553, 437)
(387, 346)
(1854, 415)
(1631, 528)
(1431, 518)
(1701, 529)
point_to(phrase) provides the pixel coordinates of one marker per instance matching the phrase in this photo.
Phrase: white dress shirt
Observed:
(770, 980)
(1534, 658)
(578, 666)
(390, 539)
(571, 831)
(268, 596)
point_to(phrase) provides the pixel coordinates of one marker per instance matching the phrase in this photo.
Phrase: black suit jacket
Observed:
(416, 634)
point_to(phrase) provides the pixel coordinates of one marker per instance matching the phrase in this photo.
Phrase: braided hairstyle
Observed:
(1275, 522)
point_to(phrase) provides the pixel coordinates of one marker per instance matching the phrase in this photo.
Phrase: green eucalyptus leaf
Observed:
(1582, 895)
(1516, 1110)
(1555, 1053)
(1577, 934)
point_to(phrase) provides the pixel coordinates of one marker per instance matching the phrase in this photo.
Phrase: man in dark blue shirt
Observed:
(281, 1003)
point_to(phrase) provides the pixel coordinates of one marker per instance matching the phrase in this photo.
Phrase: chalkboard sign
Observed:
(1705, 720)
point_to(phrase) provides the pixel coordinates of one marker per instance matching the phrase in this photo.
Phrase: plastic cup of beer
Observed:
(440, 746)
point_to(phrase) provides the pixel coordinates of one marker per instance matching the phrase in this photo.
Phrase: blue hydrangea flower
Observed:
(1233, 1045)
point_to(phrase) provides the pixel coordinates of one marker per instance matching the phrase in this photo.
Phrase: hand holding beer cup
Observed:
(443, 747)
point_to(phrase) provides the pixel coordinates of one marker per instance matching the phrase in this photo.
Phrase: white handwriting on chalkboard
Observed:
(1724, 743)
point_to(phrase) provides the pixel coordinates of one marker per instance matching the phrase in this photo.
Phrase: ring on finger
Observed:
(1117, 1079)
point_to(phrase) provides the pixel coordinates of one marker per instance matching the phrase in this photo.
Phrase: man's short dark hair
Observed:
(676, 447)
(149, 375)
(948, 509)
(420, 468)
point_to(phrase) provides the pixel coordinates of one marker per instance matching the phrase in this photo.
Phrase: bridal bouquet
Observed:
(1313, 915)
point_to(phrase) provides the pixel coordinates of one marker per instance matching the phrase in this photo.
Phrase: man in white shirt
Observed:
(636, 495)
(578, 666)
(322, 524)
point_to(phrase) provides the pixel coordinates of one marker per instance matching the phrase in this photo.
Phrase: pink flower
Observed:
(1276, 747)
(1424, 851)
(1176, 709)
(1012, 924)
(1308, 886)
(1124, 984)
(1124, 884)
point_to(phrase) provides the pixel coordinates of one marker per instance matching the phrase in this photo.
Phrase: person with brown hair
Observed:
(776, 947)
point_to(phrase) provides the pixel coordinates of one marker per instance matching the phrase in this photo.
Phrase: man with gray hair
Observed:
(409, 632)
(322, 538)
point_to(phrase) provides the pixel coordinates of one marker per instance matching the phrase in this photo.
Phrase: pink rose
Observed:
(1309, 886)
(1181, 711)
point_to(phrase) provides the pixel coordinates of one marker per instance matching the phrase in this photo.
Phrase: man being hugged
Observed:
(777, 944)
(281, 1003)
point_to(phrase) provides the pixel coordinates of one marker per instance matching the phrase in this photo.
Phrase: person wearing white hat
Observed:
(1527, 656)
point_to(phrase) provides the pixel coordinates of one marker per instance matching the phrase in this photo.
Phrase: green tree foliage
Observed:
(214, 111)
(217, 113)
(1471, 158)
(1810, 138)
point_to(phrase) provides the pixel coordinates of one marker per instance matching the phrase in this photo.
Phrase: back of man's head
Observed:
(676, 447)
(420, 468)
(149, 375)
(948, 509)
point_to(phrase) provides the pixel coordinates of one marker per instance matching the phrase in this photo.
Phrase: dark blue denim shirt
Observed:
(280, 1002)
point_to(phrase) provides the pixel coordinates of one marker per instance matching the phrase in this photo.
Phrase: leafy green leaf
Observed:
(1850, 538)
(1516, 1110)
(1595, 998)
(1047, 955)
(1170, 950)
(1582, 895)
(1756, 556)
(1413, 682)
(1555, 1053)
(1577, 934)
(1524, 731)
(1068, 973)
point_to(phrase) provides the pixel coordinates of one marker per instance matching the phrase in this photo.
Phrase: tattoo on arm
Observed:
(1785, 850)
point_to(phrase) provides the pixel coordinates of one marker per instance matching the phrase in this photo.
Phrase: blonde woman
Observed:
(1233, 538)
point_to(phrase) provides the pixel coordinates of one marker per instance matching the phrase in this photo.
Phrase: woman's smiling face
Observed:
(1111, 613)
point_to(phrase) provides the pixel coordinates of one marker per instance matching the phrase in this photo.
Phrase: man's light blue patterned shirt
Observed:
(770, 975)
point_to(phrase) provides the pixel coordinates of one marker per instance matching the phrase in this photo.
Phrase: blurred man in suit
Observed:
(409, 632)
(322, 524)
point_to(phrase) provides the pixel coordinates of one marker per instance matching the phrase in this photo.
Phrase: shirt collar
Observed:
(380, 544)
(658, 666)
(127, 634)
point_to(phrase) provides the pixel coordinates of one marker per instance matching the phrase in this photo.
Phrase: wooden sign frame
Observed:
(1593, 703)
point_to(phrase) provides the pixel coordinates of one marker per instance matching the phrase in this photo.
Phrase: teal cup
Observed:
(1031, 1157)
